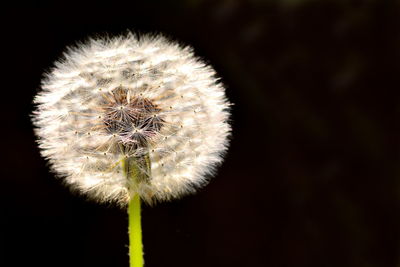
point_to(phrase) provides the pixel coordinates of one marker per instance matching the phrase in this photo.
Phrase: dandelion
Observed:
(132, 118)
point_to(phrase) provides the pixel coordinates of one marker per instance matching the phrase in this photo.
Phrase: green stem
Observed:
(137, 170)
(135, 233)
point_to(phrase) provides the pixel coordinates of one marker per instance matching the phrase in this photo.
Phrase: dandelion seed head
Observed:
(109, 99)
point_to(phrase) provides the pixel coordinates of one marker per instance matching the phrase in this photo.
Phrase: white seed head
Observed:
(132, 97)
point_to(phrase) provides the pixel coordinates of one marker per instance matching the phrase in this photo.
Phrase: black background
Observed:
(312, 177)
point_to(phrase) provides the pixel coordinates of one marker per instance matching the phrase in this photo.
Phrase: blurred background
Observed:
(312, 177)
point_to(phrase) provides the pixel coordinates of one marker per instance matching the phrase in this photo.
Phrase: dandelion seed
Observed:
(132, 96)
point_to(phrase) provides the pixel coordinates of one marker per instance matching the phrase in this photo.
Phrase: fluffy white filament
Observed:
(109, 99)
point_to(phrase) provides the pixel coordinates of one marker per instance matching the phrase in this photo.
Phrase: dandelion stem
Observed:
(136, 169)
(135, 233)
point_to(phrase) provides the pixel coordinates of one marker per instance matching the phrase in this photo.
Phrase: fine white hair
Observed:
(176, 101)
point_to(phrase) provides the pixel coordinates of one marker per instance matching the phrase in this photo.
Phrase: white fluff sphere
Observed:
(130, 96)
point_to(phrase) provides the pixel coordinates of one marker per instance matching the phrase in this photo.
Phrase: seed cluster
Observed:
(141, 98)
(133, 118)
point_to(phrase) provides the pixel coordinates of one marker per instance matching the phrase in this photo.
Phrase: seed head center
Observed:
(135, 119)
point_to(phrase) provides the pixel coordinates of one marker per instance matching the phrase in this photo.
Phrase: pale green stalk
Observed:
(135, 233)
(136, 169)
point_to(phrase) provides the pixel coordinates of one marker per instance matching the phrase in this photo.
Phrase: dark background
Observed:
(312, 177)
